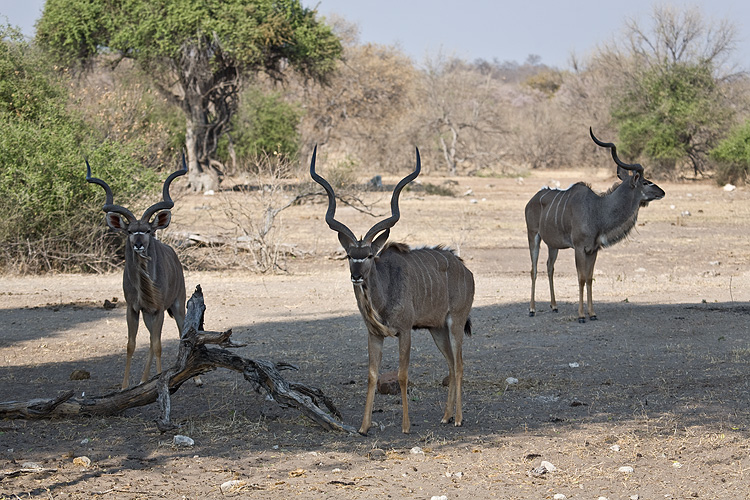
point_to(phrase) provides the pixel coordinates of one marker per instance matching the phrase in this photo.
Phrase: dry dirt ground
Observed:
(659, 383)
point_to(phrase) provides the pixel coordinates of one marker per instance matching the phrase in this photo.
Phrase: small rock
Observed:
(469, 192)
(210, 192)
(543, 468)
(377, 454)
(375, 183)
(31, 465)
(625, 469)
(729, 187)
(634, 497)
(559, 496)
(110, 304)
(82, 461)
(574, 365)
(180, 440)
(677, 465)
(416, 451)
(232, 486)
(685, 213)
(388, 383)
(615, 447)
(602, 498)
(80, 375)
(511, 380)
(441, 497)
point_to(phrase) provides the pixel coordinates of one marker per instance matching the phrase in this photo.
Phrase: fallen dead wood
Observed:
(193, 358)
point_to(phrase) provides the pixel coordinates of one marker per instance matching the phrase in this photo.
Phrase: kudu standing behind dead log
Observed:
(578, 217)
(399, 289)
(153, 281)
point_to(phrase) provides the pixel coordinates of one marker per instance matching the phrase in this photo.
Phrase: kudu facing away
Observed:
(586, 221)
(153, 281)
(399, 289)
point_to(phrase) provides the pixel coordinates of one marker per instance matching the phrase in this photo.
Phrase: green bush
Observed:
(52, 218)
(732, 156)
(265, 127)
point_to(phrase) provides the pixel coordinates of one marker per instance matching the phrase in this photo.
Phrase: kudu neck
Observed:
(618, 213)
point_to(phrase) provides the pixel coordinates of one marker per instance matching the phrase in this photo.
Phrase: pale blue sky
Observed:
(489, 29)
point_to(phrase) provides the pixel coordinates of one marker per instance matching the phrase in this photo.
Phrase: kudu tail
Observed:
(467, 327)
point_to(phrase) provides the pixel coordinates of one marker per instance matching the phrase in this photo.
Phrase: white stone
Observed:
(511, 380)
(626, 469)
(573, 365)
(180, 440)
(441, 497)
(548, 466)
(615, 447)
(729, 187)
(232, 486)
(416, 451)
(559, 496)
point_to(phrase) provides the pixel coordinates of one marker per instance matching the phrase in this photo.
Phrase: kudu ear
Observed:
(629, 176)
(379, 242)
(116, 222)
(346, 241)
(161, 220)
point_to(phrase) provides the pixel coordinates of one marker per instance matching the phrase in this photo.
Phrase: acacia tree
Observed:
(197, 53)
(671, 90)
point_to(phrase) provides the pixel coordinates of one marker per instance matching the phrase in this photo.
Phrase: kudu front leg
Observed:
(374, 354)
(551, 258)
(154, 323)
(132, 317)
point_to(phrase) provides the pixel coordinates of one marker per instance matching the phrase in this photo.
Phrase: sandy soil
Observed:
(658, 384)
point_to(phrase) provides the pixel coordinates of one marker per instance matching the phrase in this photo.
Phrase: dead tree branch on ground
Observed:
(193, 358)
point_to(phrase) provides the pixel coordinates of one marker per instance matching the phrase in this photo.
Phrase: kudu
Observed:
(399, 289)
(152, 281)
(578, 217)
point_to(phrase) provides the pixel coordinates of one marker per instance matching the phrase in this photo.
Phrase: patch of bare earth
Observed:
(658, 384)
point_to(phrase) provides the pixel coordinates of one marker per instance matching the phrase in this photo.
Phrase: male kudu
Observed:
(399, 289)
(578, 217)
(152, 281)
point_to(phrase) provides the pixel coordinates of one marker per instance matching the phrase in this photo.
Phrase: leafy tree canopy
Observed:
(254, 34)
(198, 53)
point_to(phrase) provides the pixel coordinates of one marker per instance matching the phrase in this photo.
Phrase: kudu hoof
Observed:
(593, 318)
(531, 314)
(554, 309)
(581, 320)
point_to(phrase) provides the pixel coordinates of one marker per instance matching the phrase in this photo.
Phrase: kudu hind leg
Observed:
(404, 355)
(534, 243)
(449, 340)
(585, 270)
(132, 318)
(374, 354)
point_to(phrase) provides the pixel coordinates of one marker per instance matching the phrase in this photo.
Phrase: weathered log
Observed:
(193, 359)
